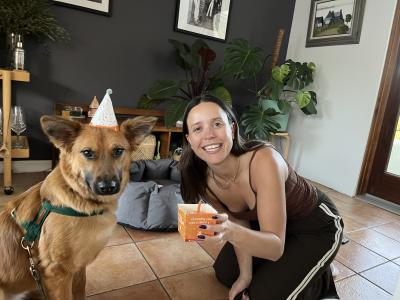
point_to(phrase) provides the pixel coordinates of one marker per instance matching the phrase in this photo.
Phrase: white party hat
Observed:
(104, 116)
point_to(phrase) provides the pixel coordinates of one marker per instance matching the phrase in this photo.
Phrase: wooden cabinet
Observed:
(165, 135)
(6, 152)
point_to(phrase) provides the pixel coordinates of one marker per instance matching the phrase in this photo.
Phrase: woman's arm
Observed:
(268, 173)
(245, 260)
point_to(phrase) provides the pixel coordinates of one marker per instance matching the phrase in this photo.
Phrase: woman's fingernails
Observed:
(214, 217)
(202, 237)
(203, 227)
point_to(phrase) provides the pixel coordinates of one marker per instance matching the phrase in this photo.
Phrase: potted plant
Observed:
(195, 61)
(19, 18)
(283, 90)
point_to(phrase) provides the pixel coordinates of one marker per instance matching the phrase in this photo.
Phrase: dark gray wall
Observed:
(126, 52)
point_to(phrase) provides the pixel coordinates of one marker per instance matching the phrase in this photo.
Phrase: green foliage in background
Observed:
(195, 61)
(31, 18)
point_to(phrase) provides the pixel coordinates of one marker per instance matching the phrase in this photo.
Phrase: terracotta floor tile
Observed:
(376, 242)
(358, 288)
(172, 256)
(117, 267)
(375, 211)
(357, 257)
(212, 249)
(364, 218)
(351, 225)
(142, 235)
(119, 237)
(391, 230)
(384, 276)
(343, 271)
(145, 291)
(195, 285)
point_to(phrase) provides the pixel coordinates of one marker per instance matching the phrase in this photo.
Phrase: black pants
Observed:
(303, 271)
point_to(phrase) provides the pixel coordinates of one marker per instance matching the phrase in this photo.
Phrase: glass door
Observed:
(384, 181)
(394, 158)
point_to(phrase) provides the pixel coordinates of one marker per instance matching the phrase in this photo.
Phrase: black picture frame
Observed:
(334, 22)
(102, 7)
(204, 18)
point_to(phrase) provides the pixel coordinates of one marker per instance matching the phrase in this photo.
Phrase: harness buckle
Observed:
(27, 246)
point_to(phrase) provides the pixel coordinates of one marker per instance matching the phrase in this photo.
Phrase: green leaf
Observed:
(284, 107)
(181, 50)
(163, 89)
(223, 94)
(310, 108)
(174, 112)
(147, 103)
(214, 82)
(311, 66)
(275, 89)
(195, 52)
(183, 55)
(257, 122)
(303, 98)
(242, 60)
(280, 73)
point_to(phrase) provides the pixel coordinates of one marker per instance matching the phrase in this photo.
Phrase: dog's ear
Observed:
(61, 132)
(136, 129)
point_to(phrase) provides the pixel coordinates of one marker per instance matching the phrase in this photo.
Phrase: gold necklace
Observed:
(225, 183)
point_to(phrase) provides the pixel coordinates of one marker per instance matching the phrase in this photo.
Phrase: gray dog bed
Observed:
(149, 202)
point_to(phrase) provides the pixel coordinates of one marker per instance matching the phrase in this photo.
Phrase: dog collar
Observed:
(34, 227)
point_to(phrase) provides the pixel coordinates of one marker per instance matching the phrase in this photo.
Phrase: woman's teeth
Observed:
(212, 148)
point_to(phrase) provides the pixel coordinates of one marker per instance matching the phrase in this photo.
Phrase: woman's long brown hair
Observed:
(193, 169)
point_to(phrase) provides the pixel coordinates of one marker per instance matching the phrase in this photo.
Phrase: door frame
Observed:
(381, 103)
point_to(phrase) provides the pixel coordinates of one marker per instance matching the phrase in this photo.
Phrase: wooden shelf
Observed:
(20, 152)
(7, 77)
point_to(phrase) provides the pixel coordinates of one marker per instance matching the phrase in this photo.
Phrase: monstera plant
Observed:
(195, 61)
(276, 96)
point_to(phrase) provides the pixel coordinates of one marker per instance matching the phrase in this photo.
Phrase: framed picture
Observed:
(335, 22)
(205, 18)
(96, 6)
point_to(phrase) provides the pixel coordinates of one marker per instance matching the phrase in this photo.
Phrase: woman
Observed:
(281, 233)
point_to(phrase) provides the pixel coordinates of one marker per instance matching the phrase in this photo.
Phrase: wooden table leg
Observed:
(7, 171)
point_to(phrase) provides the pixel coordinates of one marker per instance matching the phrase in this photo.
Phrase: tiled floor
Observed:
(148, 265)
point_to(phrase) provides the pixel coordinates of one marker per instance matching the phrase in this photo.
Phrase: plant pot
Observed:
(281, 119)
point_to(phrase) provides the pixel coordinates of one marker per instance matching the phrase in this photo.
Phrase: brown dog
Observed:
(92, 172)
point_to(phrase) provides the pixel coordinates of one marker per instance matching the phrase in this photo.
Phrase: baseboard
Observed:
(28, 166)
(384, 204)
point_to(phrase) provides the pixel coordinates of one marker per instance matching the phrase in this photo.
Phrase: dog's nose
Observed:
(107, 187)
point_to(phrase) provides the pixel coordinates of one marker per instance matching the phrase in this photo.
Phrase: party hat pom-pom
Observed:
(109, 91)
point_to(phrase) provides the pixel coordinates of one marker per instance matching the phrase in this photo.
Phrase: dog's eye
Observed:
(117, 152)
(89, 154)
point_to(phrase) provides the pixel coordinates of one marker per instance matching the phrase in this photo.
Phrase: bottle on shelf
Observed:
(19, 56)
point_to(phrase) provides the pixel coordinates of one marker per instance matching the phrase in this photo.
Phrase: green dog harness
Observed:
(34, 227)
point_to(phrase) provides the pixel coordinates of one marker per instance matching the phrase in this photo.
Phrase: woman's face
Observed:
(210, 133)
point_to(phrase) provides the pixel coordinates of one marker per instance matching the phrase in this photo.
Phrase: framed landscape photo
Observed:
(205, 18)
(335, 22)
(96, 6)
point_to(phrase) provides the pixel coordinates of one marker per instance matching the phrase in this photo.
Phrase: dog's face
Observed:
(95, 161)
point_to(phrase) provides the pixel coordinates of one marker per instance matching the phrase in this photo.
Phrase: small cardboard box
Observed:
(190, 216)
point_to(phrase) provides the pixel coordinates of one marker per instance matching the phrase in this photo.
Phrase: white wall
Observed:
(329, 147)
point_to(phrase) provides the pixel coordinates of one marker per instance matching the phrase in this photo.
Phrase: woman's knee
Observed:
(226, 266)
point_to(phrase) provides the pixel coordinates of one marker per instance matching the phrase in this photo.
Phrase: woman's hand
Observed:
(240, 284)
(224, 229)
